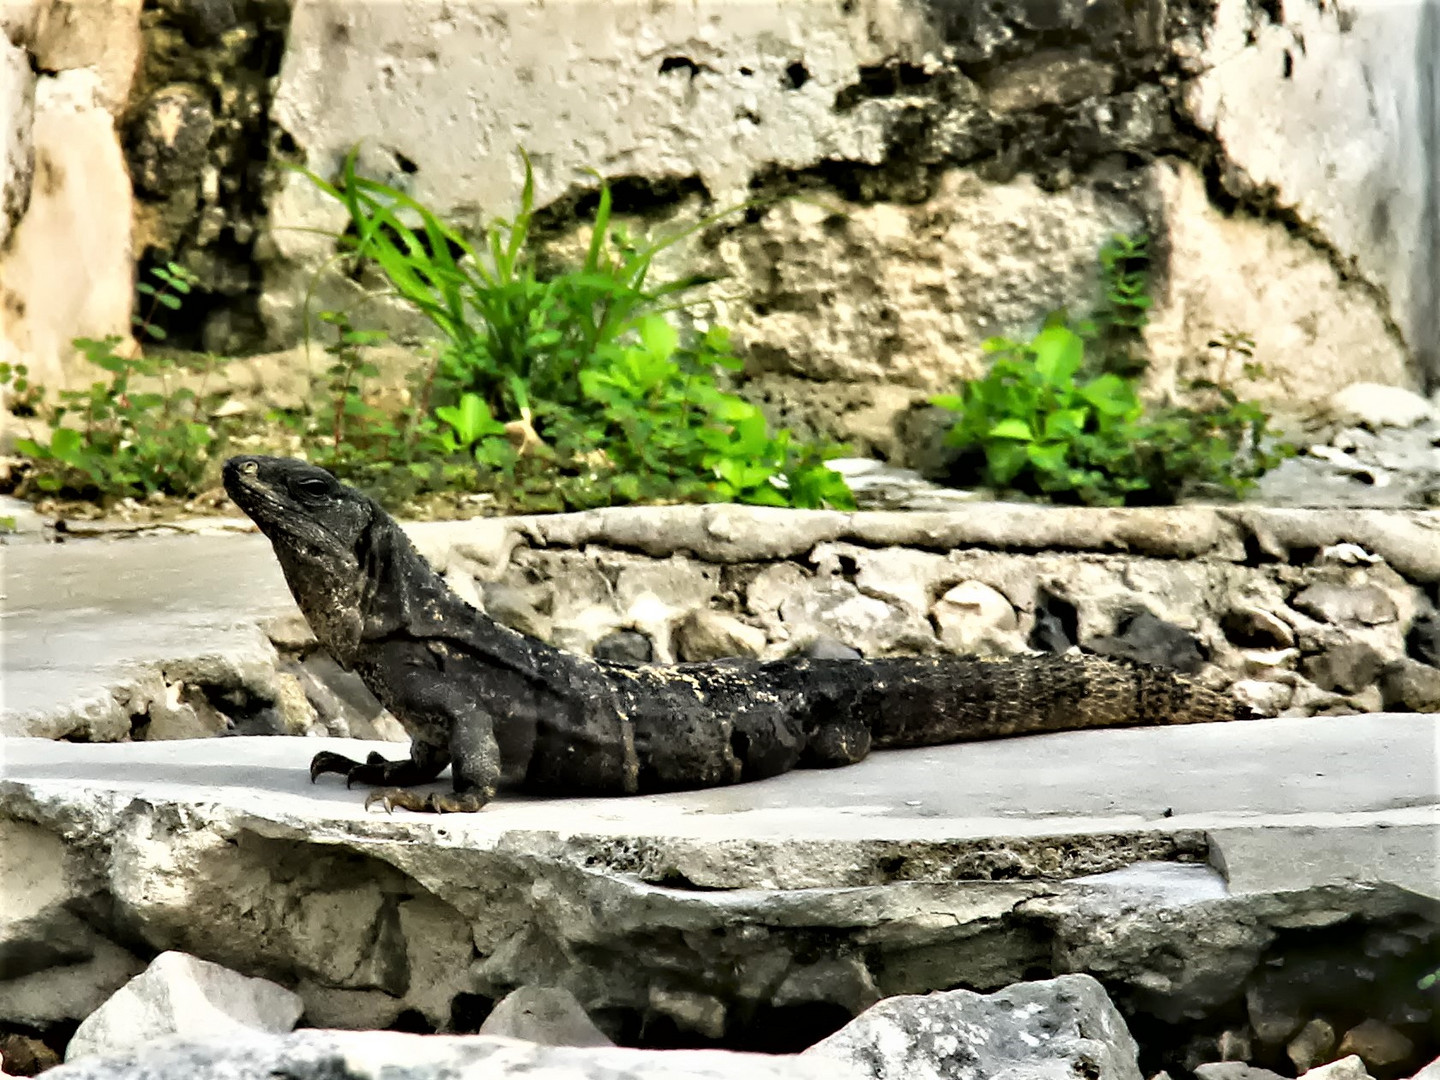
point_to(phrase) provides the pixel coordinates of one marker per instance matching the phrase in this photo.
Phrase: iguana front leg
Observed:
(474, 757)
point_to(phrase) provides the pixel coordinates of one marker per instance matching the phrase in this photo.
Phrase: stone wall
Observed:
(957, 168)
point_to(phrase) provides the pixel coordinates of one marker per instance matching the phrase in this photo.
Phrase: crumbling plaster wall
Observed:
(955, 165)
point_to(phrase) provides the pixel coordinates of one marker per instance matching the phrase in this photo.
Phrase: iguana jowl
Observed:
(498, 706)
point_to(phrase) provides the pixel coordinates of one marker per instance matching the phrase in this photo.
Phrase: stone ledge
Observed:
(740, 897)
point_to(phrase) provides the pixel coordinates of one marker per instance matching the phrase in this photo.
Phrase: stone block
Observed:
(180, 995)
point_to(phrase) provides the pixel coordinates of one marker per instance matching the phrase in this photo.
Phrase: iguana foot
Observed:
(375, 769)
(436, 802)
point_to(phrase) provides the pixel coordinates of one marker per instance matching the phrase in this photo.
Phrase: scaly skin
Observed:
(498, 706)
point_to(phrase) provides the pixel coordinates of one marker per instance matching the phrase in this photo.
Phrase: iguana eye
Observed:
(312, 486)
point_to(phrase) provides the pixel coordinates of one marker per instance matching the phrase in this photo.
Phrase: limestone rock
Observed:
(343, 704)
(391, 1055)
(1265, 698)
(1235, 1045)
(828, 648)
(1377, 405)
(546, 1015)
(180, 995)
(1313, 1044)
(102, 38)
(1365, 605)
(712, 635)
(512, 607)
(1253, 80)
(67, 266)
(1348, 668)
(1347, 1068)
(1429, 1072)
(1056, 1028)
(975, 619)
(1235, 271)
(874, 626)
(1410, 686)
(1376, 1044)
(17, 149)
(1233, 1070)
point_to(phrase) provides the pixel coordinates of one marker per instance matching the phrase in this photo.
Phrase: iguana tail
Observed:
(924, 702)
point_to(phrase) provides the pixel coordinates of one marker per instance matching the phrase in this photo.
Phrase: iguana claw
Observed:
(327, 762)
(435, 802)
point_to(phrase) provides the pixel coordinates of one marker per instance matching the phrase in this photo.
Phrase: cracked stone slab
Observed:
(915, 869)
(88, 631)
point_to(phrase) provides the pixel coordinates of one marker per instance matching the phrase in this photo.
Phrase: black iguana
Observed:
(497, 705)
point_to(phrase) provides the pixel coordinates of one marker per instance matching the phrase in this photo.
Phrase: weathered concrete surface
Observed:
(1342, 776)
(915, 870)
(81, 621)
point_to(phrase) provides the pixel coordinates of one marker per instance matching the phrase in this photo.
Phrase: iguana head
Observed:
(322, 533)
(300, 506)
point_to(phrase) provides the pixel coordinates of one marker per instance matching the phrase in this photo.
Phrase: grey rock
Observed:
(1233, 1070)
(714, 635)
(510, 606)
(1149, 640)
(879, 486)
(1377, 406)
(390, 1055)
(548, 1015)
(1423, 640)
(1429, 1072)
(1312, 1045)
(1274, 1010)
(343, 704)
(874, 626)
(1057, 1028)
(180, 995)
(1235, 1044)
(1365, 605)
(1348, 668)
(829, 648)
(625, 647)
(1410, 686)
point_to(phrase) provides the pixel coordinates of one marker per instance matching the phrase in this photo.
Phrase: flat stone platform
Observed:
(1347, 798)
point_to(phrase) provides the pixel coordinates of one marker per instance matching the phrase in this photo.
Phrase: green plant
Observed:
(112, 439)
(1035, 424)
(1114, 333)
(573, 388)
